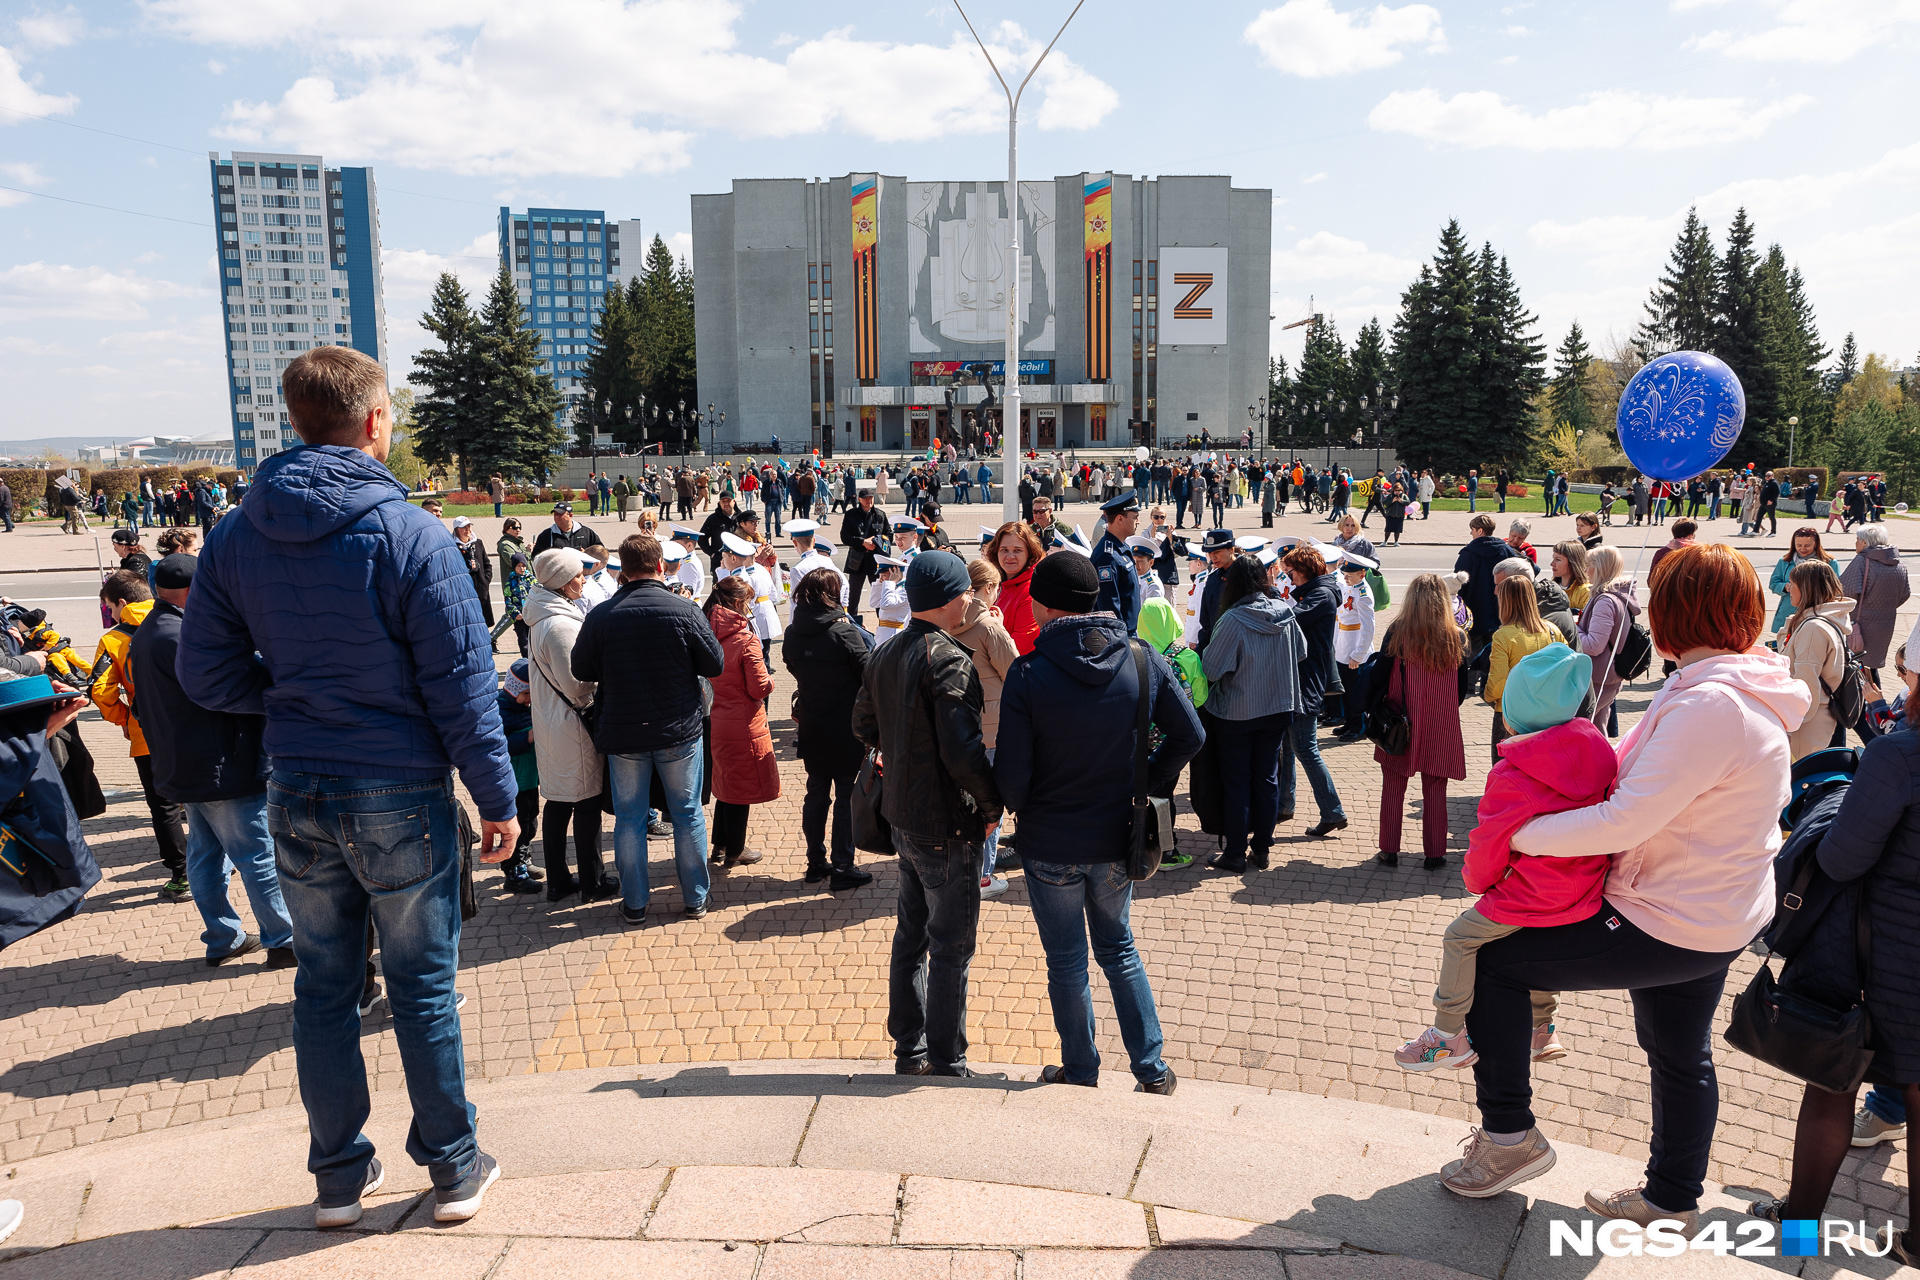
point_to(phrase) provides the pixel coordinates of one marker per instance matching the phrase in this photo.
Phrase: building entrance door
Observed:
(1049, 432)
(942, 431)
(1026, 428)
(920, 432)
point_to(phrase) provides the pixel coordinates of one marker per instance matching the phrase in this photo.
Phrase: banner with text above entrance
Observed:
(947, 368)
(865, 189)
(1193, 296)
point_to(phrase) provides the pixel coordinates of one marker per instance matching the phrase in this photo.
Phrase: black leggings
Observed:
(1675, 992)
(585, 816)
(728, 830)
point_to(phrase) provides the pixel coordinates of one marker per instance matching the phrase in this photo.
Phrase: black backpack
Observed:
(1802, 891)
(1636, 652)
(1847, 699)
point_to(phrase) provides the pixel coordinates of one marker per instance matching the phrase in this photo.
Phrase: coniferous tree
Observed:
(1372, 379)
(1510, 357)
(446, 416)
(612, 375)
(1792, 354)
(661, 298)
(1846, 369)
(1681, 309)
(1279, 388)
(1324, 384)
(1434, 361)
(1740, 340)
(519, 430)
(1568, 397)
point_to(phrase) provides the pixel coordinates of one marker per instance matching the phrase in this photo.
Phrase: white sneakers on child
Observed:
(1434, 1049)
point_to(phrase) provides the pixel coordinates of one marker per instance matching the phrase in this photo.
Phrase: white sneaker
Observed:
(12, 1213)
(992, 887)
(345, 1215)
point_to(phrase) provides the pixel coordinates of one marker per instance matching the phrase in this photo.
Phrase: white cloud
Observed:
(17, 94)
(1827, 30)
(408, 276)
(680, 245)
(499, 87)
(1311, 38)
(25, 173)
(1312, 178)
(1516, 30)
(1710, 41)
(1682, 6)
(1605, 120)
(52, 30)
(216, 67)
(1325, 256)
(34, 291)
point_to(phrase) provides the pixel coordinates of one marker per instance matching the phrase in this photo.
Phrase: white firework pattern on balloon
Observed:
(1671, 405)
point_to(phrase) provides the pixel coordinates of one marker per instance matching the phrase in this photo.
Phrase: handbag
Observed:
(589, 715)
(1856, 638)
(871, 830)
(1152, 831)
(1377, 584)
(1804, 1037)
(1387, 724)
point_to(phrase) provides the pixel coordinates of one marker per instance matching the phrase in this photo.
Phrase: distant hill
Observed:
(66, 446)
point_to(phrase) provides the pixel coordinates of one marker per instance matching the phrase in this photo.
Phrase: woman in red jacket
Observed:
(745, 770)
(1015, 550)
(1426, 646)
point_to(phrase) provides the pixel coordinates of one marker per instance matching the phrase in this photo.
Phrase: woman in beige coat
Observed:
(571, 769)
(984, 633)
(1815, 643)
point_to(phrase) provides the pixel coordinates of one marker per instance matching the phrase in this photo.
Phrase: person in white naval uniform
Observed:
(815, 553)
(682, 571)
(1196, 585)
(736, 560)
(889, 599)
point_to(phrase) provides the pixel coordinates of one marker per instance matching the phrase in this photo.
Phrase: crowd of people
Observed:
(300, 695)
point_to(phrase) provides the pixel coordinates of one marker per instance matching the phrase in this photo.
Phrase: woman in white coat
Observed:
(572, 771)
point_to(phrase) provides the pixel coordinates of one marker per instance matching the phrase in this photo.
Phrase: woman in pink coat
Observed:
(745, 770)
(1692, 829)
(1426, 646)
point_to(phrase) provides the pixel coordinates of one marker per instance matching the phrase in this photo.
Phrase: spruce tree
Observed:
(446, 417)
(1435, 364)
(520, 429)
(1279, 387)
(661, 298)
(1846, 369)
(1324, 384)
(1568, 398)
(1740, 340)
(612, 375)
(1681, 309)
(1792, 353)
(1510, 358)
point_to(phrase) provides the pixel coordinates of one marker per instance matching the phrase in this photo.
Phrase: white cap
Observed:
(681, 531)
(1145, 545)
(737, 544)
(890, 562)
(987, 535)
(1266, 557)
(1194, 552)
(1357, 561)
(672, 552)
(796, 527)
(1251, 543)
(822, 547)
(461, 522)
(908, 522)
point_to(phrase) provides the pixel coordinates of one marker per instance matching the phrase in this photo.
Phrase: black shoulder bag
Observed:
(1152, 832)
(872, 833)
(1804, 1037)
(1387, 724)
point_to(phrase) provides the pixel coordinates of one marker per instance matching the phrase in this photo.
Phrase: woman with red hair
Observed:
(1692, 828)
(1014, 551)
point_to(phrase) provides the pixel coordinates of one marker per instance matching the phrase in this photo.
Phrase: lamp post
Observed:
(1381, 408)
(1010, 432)
(1793, 432)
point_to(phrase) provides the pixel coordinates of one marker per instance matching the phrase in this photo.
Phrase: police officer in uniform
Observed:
(1218, 544)
(1113, 560)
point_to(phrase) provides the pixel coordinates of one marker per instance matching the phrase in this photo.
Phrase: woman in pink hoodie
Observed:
(1692, 828)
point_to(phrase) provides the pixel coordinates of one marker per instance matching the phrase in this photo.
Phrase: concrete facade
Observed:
(775, 281)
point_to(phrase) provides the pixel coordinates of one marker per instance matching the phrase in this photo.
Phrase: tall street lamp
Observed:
(1793, 432)
(1381, 409)
(1010, 419)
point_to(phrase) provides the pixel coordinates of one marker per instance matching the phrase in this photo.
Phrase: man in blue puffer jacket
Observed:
(347, 618)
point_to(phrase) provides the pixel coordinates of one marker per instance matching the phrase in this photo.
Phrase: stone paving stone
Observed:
(1179, 1229)
(1159, 1264)
(1370, 1267)
(947, 1211)
(379, 1212)
(1301, 978)
(325, 1255)
(610, 1204)
(830, 1262)
(818, 1206)
(651, 1259)
(142, 1255)
(970, 1133)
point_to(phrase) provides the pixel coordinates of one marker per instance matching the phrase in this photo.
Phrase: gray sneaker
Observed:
(1633, 1205)
(462, 1200)
(1869, 1130)
(1488, 1168)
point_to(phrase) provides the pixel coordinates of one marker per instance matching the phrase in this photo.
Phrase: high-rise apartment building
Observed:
(561, 261)
(299, 254)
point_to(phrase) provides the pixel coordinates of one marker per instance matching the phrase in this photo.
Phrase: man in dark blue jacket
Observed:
(645, 648)
(345, 615)
(210, 762)
(1064, 760)
(1316, 601)
(1477, 560)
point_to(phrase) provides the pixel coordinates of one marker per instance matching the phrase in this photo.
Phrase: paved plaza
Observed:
(1284, 986)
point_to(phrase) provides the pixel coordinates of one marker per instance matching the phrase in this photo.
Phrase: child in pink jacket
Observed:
(1555, 761)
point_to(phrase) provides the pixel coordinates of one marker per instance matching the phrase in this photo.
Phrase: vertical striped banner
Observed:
(1097, 191)
(866, 258)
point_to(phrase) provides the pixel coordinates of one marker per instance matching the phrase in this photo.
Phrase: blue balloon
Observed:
(1680, 415)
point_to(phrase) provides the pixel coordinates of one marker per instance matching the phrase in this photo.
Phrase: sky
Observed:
(1573, 137)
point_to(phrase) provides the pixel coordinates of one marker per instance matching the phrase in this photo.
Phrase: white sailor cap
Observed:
(1357, 561)
(1266, 557)
(737, 544)
(890, 562)
(1251, 543)
(908, 522)
(672, 552)
(1143, 546)
(987, 535)
(822, 547)
(797, 527)
(1194, 552)
(681, 531)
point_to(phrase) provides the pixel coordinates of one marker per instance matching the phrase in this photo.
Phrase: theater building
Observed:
(1143, 309)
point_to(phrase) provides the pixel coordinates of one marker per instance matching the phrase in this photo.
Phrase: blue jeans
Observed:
(1302, 742)
(1069, 902)
(992, 855)
(496, 511)
(773, 519)
(1249, 754)
(936, 925)
(632, 784)
(1887, 1104)
(223, 835)
(1473, 499)
(350, 850)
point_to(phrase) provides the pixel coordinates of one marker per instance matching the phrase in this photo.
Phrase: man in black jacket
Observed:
(211, 762)
(644, 648)
(1219, 549)
(1477, 559)
(920, 704)
(724, 520)
(827, 655)
(479, 562)
(565, 532)
(863, 532)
